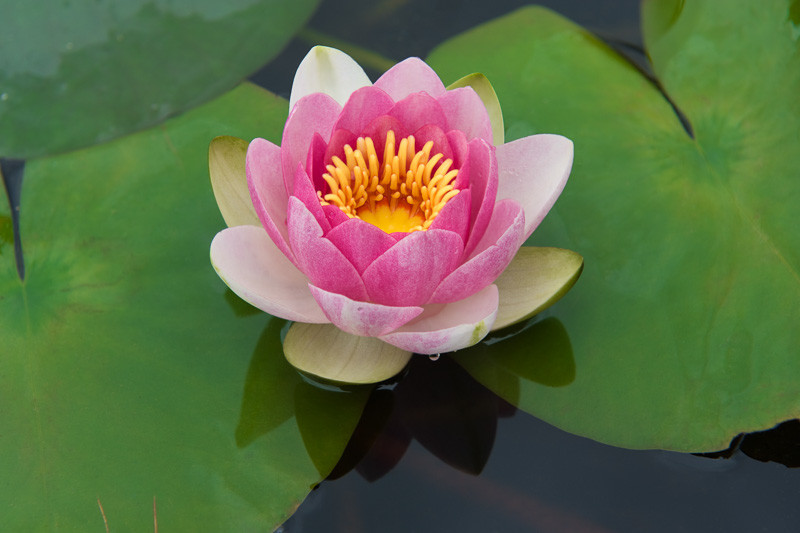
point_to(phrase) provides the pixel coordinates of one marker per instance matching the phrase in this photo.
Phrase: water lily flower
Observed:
(390, 218)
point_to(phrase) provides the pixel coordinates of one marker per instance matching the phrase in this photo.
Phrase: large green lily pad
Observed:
(684, 324)
(128, 372)
(74, 74)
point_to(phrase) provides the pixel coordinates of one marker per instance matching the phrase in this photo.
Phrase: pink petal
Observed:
(465, 112)
(459, 146)
(360, 242)
(455, 215)
(417, 110)
(364, 106)
(335, 146)
(408, 272)
(305, 192)
(507, 215)
(362, 318)
(483, 185)
(533, 171)
(334, 215)
(248, 261)
(432, 132)
(378, 128)
(455, 326)
(410, 76)
(315, 113)
(267, 190)
(497, 248)
(318, 258)
(315, 161)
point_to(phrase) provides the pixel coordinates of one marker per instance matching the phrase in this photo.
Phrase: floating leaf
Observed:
(74, 74)
(127, 373)
(684, 323)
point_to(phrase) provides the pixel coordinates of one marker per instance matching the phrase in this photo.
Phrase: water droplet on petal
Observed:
(434, 357)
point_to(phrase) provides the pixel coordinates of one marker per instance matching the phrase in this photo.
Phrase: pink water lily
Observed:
(389, 210)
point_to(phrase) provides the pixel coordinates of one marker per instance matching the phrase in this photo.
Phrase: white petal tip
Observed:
(330, 71)
(243, 255)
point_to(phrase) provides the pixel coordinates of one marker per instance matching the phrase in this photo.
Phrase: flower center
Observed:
(403, 192)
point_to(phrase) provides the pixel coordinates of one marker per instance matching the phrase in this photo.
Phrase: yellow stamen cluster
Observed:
(404, 191)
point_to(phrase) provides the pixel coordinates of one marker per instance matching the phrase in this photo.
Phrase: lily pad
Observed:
(128, 372)
(74, 74)
(684, 324)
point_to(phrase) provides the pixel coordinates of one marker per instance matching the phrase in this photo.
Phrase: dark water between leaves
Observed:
(454, 457)
(451, 456)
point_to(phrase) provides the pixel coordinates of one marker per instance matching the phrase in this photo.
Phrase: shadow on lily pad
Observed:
(275, 393)
(267, 401)
(538, 350)
(240, 307)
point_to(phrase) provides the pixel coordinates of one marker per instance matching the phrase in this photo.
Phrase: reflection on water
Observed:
(436, 403)
(440, 405)
(449, 413)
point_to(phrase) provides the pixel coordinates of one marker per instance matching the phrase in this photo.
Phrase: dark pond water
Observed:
(432, 461)
(453, 457)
